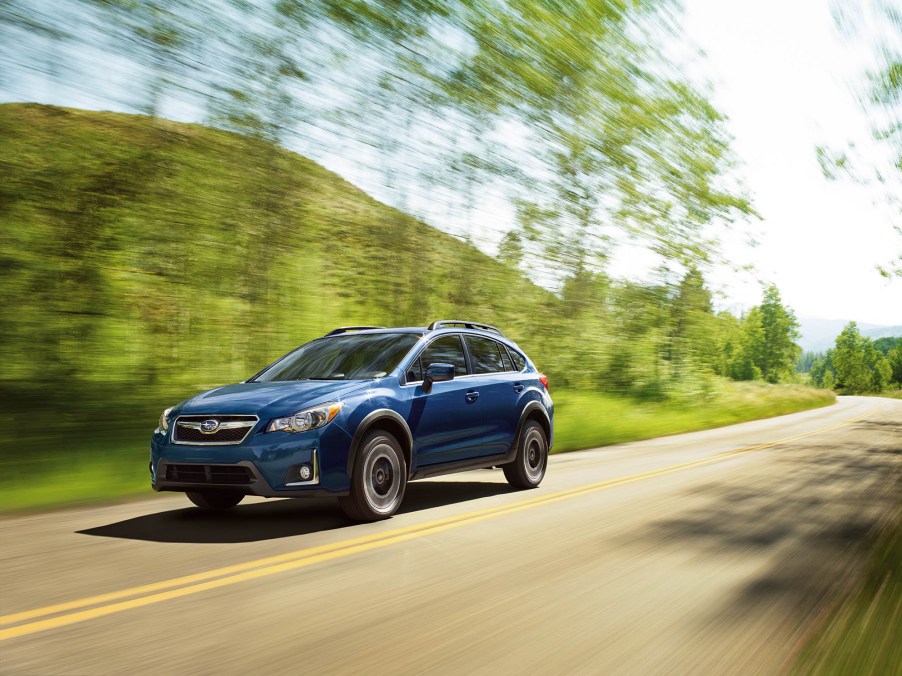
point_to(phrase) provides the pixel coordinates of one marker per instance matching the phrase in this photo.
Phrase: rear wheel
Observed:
(378, 481)
(215, 500)
(528, 468)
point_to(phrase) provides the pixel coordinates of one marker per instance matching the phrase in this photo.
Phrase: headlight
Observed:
(308, 419)
(164, 419)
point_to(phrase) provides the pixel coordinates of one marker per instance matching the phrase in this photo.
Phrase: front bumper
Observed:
(263, 464)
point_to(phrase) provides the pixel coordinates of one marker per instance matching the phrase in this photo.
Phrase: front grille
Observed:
(221, 436)
(235, 475)
(233, 430)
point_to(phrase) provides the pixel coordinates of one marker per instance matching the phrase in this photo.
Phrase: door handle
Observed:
(519, 387)
(472, 395)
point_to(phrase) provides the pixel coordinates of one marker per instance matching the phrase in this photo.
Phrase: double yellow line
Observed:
(80, 610)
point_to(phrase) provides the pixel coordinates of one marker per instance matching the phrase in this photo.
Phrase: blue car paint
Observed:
(446, 425)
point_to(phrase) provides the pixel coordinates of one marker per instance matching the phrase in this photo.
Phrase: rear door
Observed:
(499, 393)
(446, 423)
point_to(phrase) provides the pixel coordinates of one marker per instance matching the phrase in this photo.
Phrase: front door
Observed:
(446, 423)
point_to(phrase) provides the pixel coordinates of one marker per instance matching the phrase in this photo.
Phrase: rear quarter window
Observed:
(519, 359)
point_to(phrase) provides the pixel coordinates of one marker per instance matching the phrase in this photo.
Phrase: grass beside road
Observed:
(864, 635)
(43, 472)
(887, 394)
(589, 419)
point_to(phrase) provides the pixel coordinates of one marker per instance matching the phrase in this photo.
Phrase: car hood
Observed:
(271, 399)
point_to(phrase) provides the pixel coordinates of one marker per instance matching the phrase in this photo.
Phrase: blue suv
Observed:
(357, 414)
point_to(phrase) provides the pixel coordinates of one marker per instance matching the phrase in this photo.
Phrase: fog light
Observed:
(303, 474)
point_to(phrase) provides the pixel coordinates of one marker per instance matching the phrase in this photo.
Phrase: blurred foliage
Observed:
(576, 114)
(177, 256)
(146, 260)
(877, 24)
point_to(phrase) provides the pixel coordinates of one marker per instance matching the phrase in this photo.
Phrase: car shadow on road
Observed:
(280, 518)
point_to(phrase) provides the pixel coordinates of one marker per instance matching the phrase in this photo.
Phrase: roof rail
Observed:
(345, 329)
(442, 323)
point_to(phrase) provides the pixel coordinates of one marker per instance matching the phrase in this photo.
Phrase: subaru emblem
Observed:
(209, 426)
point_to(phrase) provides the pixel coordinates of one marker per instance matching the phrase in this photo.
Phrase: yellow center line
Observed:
(117, 601)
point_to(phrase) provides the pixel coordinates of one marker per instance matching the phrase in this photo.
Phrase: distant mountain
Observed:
(819, 335)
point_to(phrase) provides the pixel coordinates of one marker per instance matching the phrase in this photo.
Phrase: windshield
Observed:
(351, 357)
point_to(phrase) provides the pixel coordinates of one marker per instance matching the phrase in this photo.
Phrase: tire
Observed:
(378, 481)
(215, 500)
(528, 468)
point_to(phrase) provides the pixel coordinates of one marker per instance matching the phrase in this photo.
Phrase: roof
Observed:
(434, 326)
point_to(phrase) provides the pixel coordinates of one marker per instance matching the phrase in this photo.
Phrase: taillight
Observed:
(544, 380)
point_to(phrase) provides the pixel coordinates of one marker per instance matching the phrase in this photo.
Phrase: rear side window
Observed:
(519, 360)
(486, 354)
(508, 364)
(444, 350)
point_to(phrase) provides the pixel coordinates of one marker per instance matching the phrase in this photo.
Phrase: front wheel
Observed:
(528, 468)
(378, 481)
(215, 500)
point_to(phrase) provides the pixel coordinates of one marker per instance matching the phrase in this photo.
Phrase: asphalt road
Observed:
(713, 552)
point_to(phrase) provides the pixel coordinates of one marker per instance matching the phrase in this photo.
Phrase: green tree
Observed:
(851, 360)
(861, 364)
(822, 373)
(774, 349)
(767, 347)
(806, 360)
(887, 343)
(882, 373)
(726, 337)
(692, 322)
(746, 355)
(894, 357)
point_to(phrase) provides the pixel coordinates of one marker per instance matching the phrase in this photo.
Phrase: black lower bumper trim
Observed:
(181, 477)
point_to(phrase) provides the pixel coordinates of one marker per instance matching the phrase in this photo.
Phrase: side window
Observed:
(444, 350)
(519, 361)
(415, 372)
(508, 364)
(486, 354)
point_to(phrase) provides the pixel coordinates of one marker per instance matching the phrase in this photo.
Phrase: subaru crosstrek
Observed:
(357, 414)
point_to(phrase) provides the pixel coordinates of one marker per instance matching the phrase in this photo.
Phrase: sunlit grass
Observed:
(89, 474)
(588, 419)
(889, 394)
(99, 470)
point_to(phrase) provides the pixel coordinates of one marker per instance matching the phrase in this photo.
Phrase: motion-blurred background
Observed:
(522, 153)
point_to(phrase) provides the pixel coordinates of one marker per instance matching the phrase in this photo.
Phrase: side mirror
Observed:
(437, 373)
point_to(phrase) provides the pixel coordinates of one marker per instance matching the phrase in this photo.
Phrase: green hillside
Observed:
(178, 256)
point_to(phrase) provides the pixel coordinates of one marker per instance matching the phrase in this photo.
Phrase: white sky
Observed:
(782, 74)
